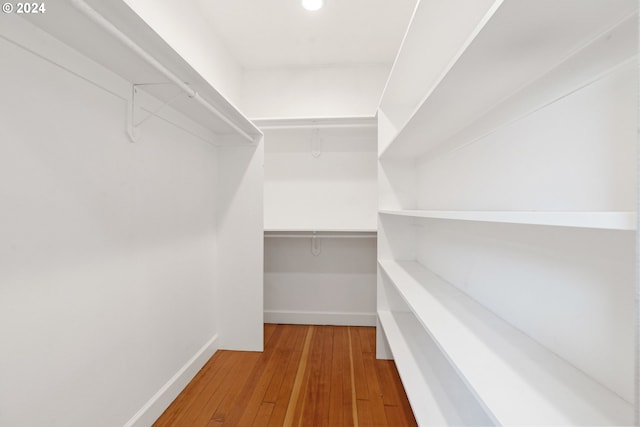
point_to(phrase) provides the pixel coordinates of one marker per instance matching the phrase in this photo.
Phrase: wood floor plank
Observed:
(311, 389)
(336, 414)
(283, 355)
(367, 338)
(227, 397)
(375, 391)
(288, 380)
(269, 329)
(235, 376)
(349, 387)
(365, 417)
(321, 416)
(200, 396)
(325, 376)
(263, 415)
(255, 387)
(390, 394)
(395, 417)
(402, 395)
(296, 400)
(362, 390)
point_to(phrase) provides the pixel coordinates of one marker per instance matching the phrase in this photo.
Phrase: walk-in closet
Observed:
(319, 213)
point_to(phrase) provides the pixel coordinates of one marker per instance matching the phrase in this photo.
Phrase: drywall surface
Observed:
(576, 154)
(334, 189)
(183, 26)
(107, 250)
(240, 259)
(313, 91)
(336, 286)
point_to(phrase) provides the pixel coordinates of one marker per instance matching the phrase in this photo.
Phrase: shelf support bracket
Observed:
(316, 143)
(316, 250)
(134, 110)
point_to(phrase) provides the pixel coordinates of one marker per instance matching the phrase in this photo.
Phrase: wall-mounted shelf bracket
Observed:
(316, 250)
(316, 143)
(134, 110)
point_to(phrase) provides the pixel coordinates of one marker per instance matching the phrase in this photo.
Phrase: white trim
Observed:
(319, 318)
(160, 401)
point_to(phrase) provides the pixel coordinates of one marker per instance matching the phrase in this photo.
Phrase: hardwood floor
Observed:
(325, 376)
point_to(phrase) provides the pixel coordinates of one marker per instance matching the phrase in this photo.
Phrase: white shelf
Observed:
(597, 220)
(76, 30)
(517, 380)
(278, 123)
(419, 380)
(321, 230)
(483, 83)
(324, 233)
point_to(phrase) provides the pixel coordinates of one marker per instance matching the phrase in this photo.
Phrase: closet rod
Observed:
(92, 14)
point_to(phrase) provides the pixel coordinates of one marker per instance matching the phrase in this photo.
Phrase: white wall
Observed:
(183, 26)
(335, 190)
(575, 154)
(335, 287)
(313, 91)
(107, 250)
(240, 260)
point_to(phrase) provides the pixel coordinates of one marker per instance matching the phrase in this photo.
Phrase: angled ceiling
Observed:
(280, 33)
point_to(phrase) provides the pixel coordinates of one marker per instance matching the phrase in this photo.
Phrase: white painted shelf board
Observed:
(597, 220)
(485, 84)
(324, 233)
(315, 122)
(419, 382)
(64, 22)
(518, 381)
(429, 45)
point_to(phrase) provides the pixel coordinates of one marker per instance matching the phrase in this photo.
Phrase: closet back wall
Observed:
(107, 250)
(329, 91)
(320, 178)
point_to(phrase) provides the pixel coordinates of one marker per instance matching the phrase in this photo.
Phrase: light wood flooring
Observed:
(325, 376)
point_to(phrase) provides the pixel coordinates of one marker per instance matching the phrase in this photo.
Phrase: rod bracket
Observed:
(134, 110)
(316, 143)
(316, 250)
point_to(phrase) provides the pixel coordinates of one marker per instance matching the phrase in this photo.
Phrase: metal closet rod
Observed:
(91, 13)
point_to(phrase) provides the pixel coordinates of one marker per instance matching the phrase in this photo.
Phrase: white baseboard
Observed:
(319, 318)
(160, 401)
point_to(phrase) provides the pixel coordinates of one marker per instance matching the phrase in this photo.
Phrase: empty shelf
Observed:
(601, 220)
(516, 380)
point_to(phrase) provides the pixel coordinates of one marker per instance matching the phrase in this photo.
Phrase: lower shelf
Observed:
(516, 380)
(437, 395)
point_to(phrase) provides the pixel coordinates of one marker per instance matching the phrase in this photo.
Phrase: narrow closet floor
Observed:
(325, 376)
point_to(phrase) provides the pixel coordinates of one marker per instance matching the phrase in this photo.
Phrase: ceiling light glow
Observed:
(312, 5)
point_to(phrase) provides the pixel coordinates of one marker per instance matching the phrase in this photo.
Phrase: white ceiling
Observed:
(278, 33)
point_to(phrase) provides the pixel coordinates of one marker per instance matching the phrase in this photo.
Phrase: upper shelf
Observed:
(82, 26)
(285, 123)
(596, 220)
(499, 49)
(517, 380)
